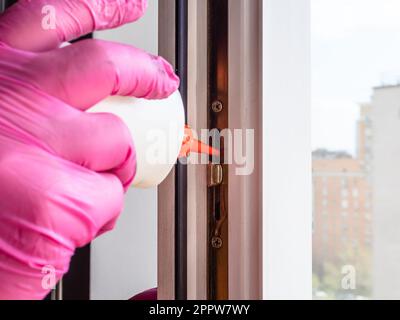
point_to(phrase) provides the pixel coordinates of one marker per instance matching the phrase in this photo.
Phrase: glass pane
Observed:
(356, 149)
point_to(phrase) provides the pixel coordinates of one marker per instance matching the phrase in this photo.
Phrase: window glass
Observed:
(356, 148)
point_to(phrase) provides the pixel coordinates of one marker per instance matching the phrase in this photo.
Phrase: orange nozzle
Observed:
(191, 144)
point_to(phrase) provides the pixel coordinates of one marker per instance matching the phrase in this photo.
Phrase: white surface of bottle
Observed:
(157, 129)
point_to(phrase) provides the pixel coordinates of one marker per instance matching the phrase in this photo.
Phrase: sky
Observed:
(355, 46)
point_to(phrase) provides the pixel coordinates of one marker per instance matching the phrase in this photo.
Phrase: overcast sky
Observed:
(355, 46)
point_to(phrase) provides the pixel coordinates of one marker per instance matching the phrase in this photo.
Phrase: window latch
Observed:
(215, 175)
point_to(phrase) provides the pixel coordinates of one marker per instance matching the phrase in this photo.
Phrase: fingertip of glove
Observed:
(172, 83)
(139, 8)
(145, 4)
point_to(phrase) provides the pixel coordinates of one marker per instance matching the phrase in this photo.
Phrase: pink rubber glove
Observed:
(63, 171)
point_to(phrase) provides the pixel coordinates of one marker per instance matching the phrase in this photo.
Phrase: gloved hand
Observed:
(63, 171)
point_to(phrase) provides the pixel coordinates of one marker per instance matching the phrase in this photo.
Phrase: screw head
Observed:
(217, 106)
(216, 242)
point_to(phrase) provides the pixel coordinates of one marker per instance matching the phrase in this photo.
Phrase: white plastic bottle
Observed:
(157, 128)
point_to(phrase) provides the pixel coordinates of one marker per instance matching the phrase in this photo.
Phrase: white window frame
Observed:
(287, 176)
